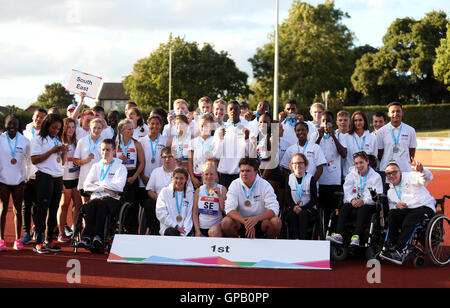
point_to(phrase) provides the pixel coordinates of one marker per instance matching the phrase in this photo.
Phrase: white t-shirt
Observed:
(202, 148)
(50, 166)
(81, 133)
(71, 172)
(140, 131)
(407, 140)
(14, 174)
(232, 148)
(115, 177)
(158, 180)
(84, 148)
(209, 213)
(158, 145)
(367, 143)
(262, 198)
(30, 132)
(306, 195)
(167, 209)
(311, 150)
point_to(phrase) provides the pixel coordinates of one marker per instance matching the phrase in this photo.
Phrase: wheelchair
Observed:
(117, 223)
(370, 242)
(431, 238)
(315, 229)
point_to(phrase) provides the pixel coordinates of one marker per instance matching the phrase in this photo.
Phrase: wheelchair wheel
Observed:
(124, 225)
(77, 229)
(437, 242)
(143, 225)
(338, 253)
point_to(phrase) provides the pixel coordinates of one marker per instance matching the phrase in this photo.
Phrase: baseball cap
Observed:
(71, 107)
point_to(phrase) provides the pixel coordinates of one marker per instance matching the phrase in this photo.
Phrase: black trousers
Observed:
(362, 214)
(405, 220)
(328, 200)
(29, 205)
(97, 211)
(48, 195)
(226, 179)
(299, 224)
(131, 193)
(150, 214)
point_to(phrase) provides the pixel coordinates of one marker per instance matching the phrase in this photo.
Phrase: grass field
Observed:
(443, 133)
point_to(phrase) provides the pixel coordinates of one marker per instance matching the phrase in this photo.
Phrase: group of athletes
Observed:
(221, 170)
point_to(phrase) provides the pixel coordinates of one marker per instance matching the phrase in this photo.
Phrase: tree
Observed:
(441, 67)
(403, 68)
(55, 95)
(315, 53)
(196, 72)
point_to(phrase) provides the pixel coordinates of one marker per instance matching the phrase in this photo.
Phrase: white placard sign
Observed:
(83, 82)
(222, 252)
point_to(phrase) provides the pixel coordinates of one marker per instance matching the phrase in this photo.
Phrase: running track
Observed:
(27, 269)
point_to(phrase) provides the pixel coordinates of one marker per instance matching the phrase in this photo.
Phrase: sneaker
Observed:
(26, 238)
(336, 238)
(85, 243)
(52, 248)
(97, 242)
(18, 245)
(354, 240)
(68, 231)
(392, 255)
(40, 248)
(3, 245)
(63, 238)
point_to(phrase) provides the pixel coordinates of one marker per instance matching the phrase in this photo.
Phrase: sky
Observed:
(42, 41)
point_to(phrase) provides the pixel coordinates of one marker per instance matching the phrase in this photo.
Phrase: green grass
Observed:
(444, 133)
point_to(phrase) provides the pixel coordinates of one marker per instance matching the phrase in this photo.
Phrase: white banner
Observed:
(442, 144)
(226, 252)
(83, 82)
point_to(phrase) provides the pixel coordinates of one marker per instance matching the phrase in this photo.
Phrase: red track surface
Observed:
(27, 269)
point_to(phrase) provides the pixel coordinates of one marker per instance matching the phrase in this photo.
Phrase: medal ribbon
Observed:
(125, 149)
(13, 151)
(103, 173)
(304, 147)
(300, 191)
(251, 190)
(90, 144)
(399, 191)
(396, 139)
(179, 205)
(360, 147)
(156, 145)
(362, 185)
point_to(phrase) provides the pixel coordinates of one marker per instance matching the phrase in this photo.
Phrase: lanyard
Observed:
(399, 191)
(95, 144)
(251, 190)
(103, 175)
(125, 149)
(206, 190)
(360, 147)
(300, 191)
(179, 205)
(362, 185)
(180, 149)
(156, 145)
(291, 121)
(13, 151)
(304, 147)
(55, 140)
(228, 124)
(208, 143)
(396, 139)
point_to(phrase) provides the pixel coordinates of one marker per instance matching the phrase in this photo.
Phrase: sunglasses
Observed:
(389, 174)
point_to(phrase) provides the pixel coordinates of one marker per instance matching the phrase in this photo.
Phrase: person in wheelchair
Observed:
(357, 198)
(301, 198)
(409, 204)
(105, 180)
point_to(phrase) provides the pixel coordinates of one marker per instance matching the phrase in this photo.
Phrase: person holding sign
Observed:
(88, 152)
(130, 151)
(209, 203)
(409, 203)
(301, 198)
(48, 154)
(14, 154)
(357, 198)
(251, 206)
(396, 141)
(174, 206)
(106, 178)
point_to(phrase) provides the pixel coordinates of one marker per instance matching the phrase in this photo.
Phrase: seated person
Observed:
(251, 206)
(105, 180)
(357, 198)
(174, 205)
(409, 204)
(301, 198)
(209, 202)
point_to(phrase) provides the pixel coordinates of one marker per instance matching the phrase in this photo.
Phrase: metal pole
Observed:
(170, 76)
(275, 87)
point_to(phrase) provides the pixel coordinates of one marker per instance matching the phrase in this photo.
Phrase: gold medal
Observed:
(13, 161)
(247, 203)
(92, 155)
(211, 191)
(179, 218)
(58, 159)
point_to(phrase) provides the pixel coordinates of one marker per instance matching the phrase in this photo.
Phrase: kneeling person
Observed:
(251, 206)
(105, 180)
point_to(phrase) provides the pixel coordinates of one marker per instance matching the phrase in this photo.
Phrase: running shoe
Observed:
(18, 245)
(68, 231)
(27, 238)
(336, 238)
(40, 248)
(63, 238)
(355, 240)
(97, 242)
(3, 245)
(393, 255)
(52, 248)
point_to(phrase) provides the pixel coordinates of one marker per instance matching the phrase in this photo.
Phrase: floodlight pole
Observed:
(170, 74)
(275, 87)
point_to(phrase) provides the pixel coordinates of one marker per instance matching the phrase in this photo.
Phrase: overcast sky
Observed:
(42, 41)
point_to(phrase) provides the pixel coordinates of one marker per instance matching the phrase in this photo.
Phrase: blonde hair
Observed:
(123, 123)
(318, 105)
(97, 121)
(209, 165)
(180, 101)
(220, 102)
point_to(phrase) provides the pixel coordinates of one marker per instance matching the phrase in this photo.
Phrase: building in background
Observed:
(113, 97)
